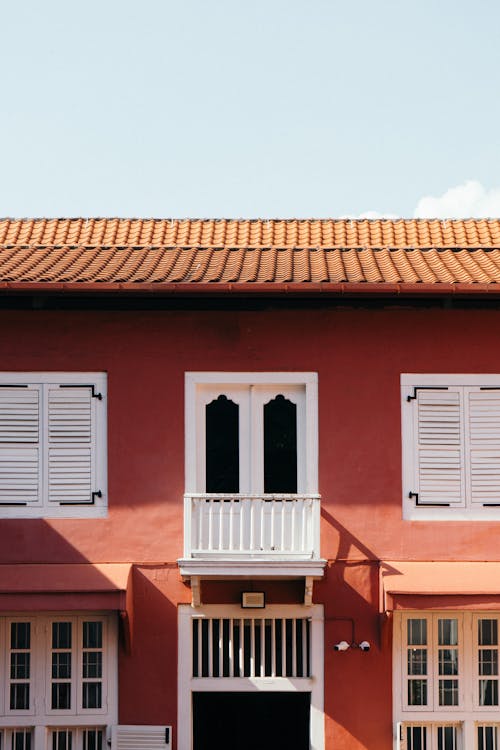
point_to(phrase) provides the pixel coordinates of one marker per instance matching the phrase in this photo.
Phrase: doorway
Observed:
(251, 720)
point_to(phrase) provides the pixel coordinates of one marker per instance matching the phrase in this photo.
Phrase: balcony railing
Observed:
(253, 526)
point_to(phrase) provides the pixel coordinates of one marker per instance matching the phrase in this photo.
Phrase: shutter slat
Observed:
(440, 463)
(19, 445)
(141, 738)
(484, 438)
(70, 457)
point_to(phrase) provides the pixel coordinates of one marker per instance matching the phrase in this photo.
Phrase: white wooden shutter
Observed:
(20, 476)
(483, 421)
(126, 737)
(71, 441)
(439, 440)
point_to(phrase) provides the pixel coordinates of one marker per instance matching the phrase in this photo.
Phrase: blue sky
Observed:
(265, 108)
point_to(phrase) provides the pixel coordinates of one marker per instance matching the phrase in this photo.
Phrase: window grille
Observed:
(251, 647)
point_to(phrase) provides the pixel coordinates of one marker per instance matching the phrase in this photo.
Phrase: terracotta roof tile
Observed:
(292, 252)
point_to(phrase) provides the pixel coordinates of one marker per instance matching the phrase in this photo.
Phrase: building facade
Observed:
(249, 484)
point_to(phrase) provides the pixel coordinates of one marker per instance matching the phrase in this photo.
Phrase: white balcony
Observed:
(264, 535)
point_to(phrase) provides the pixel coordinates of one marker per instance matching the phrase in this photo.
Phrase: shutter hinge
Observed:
(87, 502)
(13, 385)
(417, 388)
(167, 735)
(426, 505)
(11, 505)
(83, 385)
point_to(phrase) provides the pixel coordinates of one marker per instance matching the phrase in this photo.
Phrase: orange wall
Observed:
(359, 355)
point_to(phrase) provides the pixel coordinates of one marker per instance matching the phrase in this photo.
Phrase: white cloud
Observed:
(469, 200)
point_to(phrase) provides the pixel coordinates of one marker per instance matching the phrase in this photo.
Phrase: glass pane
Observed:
(20, 696)
(448, 692)
(448, 661)
(488, 692)
(61, 635)
(61, 695)
(92, 664)
(21, 739)
(222, 446)
(92, 697)
(92, 739)
(20, 666)
(416, 738)
(92, 635)
(488, 661)
(448, 632)
(487, 738)
(61, 665)
(62, 739)
(417, 632)
(417, 692)
(417, 661)
(20, 635)
(487, 632)
(447, 738)
(280, 446)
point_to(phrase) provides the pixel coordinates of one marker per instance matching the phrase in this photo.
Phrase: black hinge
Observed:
(167, 735)
(11, 505)
(83, 385)
(87, 502)
(491, 505)
(426, 505)
(490, 388)
(417, 388)
(13, 385)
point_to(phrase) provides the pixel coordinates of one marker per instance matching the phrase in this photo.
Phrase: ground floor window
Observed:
(58, 680)
(446, 674)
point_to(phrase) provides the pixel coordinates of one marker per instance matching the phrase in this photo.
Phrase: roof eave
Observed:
(251, 288)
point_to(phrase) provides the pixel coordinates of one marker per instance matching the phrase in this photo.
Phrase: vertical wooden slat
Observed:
(305, 512)
(294, 514)
(262, 648)
(210, 523)
(252, 648)
(210, 649)
(273, 647)
(242, 641)
(272, 543)
(283, 524)
(231, 647)
(294, 647)
(283, 647)
(231, 524)
(200, 647)
(252, 525)
(221, 648)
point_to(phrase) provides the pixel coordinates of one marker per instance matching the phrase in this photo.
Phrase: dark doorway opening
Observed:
(251, 721)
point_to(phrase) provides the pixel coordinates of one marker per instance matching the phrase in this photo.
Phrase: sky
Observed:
(250, 108)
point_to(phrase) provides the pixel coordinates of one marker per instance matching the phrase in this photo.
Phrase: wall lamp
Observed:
(344, 646)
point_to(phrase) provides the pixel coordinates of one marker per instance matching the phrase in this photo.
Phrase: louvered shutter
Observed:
(141, 738)
(483, 421)
(20, 476)
(439, 439)
(71, 439)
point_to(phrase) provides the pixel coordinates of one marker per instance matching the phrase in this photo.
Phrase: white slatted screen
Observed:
(456, 439)
(19, 445)
(70, 437)
(127, 737)
(251, 647)
(440, 444)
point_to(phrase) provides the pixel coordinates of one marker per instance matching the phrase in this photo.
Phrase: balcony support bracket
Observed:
(308, 590)
(195, 591)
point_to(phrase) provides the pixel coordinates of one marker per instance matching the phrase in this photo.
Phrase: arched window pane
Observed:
(280, 446)
(222, 446)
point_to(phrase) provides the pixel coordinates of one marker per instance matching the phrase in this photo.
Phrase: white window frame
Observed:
(468, 715)
(188, 684)
(44, 508)
(465, 511)
(203, 387)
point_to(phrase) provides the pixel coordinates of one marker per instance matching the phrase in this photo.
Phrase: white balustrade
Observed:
(285, 526)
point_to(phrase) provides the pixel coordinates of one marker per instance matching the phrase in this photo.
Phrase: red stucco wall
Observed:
(359, 355)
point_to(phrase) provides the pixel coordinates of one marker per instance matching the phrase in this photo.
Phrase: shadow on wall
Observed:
(358, 685)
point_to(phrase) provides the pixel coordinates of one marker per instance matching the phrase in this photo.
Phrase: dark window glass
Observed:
(20, 666)
(61, 695)
(222, 446)
(92, 664)
(21, 739)
(92, 739)
(61, 635)
(20, 696)
(92, 695)
(280, 446)
(92, 635)
(61, 665)
(20, 635)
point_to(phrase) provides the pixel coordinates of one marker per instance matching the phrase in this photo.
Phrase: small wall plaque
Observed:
(253, 599)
